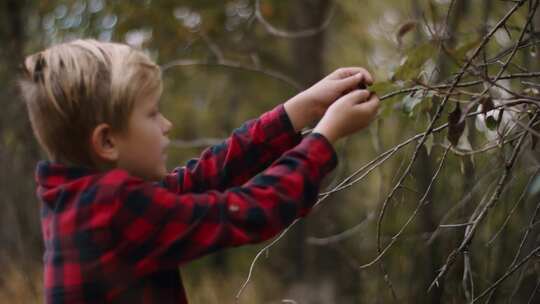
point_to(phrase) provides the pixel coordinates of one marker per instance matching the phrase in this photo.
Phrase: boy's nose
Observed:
(167, 125)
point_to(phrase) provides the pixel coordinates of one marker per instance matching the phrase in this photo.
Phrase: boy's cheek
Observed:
(161, 173)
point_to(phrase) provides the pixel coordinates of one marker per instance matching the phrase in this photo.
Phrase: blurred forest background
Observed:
(437, 202)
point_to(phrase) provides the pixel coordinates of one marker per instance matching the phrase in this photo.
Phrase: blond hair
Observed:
(72, 87)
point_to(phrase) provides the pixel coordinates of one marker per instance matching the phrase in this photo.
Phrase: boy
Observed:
(116, 225)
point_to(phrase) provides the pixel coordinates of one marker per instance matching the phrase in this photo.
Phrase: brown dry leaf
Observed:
(404, 29)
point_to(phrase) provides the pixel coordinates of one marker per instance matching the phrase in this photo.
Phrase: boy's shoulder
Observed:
(84, 186)
(52, 175)
(87, 200)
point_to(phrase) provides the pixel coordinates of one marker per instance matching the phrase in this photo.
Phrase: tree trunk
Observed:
(20, 235)
(425, 168)
(307, 54)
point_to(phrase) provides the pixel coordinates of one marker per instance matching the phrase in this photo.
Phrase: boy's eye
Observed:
(154, 113)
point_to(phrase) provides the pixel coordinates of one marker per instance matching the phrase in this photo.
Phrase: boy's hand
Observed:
(348, 114)
(312, 103)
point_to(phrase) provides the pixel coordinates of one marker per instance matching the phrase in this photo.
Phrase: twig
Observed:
(341, 236)
(481, 215)
(460, 85)
(292, 34)
(233, 65)
(421, 202)
(514, 208)
(455, 225)
(508, 273)
(438, 113)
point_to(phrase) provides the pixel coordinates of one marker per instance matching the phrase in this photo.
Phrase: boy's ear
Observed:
(103, 143)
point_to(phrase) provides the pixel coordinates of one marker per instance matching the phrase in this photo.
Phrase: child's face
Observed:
(142, 148)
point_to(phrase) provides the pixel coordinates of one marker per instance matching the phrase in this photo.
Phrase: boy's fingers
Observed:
(371, 106)
(368, 78)
(357, 96)
(351, 82)
(350, 71)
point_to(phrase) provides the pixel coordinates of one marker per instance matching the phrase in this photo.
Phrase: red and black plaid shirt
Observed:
(112, 237)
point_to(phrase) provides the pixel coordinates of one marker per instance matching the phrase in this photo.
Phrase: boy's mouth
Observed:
(164, 150)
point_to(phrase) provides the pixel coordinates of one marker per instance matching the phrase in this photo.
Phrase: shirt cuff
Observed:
(320, 151)
(279, 129)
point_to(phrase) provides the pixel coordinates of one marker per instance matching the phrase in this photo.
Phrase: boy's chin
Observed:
(162, 172)
(157, 175)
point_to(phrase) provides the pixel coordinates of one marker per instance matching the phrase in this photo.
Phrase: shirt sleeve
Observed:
(250, 149)
(158, 229)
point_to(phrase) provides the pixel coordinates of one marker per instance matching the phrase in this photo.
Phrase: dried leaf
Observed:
(487, 104)
(456, 127)
(413, 63)
(464, 144)
(429, 143)
(404, 29)
(468, 108)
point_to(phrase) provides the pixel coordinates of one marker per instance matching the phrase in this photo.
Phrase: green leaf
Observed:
(461, 52)
(383, 88)
(491, 123)
(535, 186)
(410, 102)
(414, 61)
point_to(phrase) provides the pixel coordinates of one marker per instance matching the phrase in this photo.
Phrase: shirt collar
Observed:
(52, 174)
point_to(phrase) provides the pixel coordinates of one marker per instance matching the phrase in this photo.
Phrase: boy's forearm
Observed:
(249, 150)
(299, 112)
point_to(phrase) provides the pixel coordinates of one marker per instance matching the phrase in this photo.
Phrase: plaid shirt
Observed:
(112, 237)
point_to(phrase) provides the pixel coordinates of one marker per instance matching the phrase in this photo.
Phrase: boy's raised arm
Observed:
(157, 229)
(259, 142)
(249, 149)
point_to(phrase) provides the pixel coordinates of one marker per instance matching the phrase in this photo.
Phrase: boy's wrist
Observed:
(326, 132)
(299, 111)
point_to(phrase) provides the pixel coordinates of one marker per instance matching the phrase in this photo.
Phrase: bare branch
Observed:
(469, 233)
(532, 254)
(292, 34)
(233, 65)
